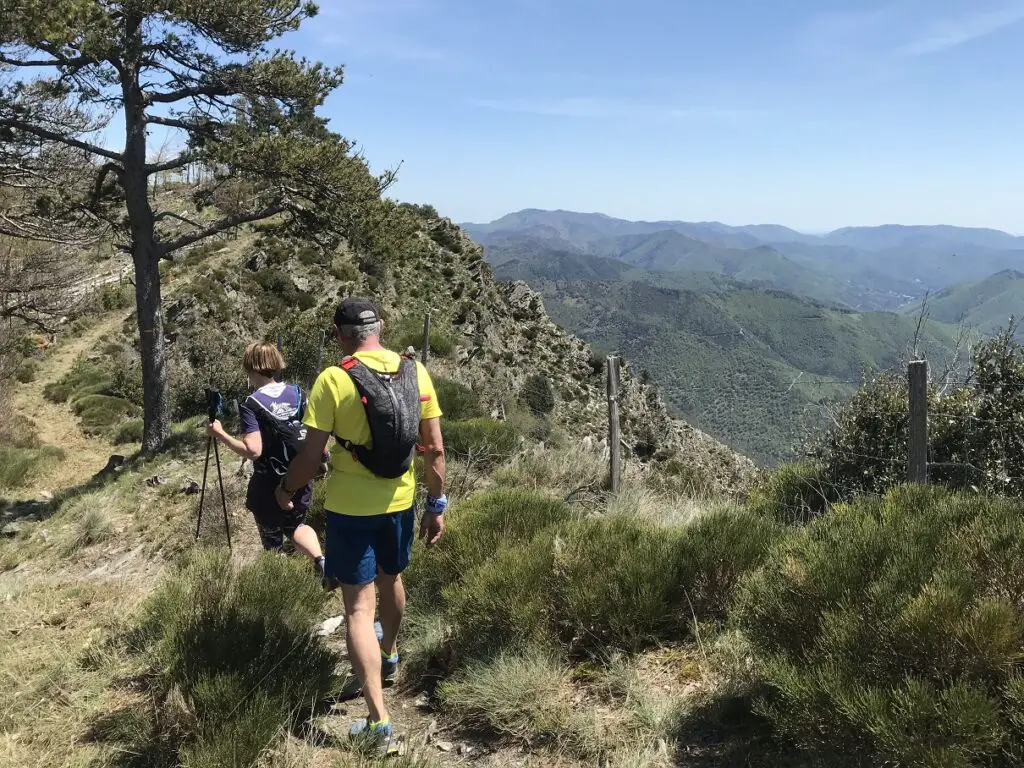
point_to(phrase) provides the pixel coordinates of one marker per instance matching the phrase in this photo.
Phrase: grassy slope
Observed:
(747, 366)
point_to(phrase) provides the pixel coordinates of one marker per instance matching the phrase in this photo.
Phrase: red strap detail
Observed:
(349, 363)
(365, 401)
(425, 398)
(420, 448)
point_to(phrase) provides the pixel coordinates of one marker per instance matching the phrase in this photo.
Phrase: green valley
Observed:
(754, 368)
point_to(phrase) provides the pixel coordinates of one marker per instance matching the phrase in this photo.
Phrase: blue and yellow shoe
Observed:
(379, 735)
(389, 667)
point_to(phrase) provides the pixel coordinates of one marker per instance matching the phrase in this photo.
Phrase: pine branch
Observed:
(170, 165)
(43, 133)
(219, 226)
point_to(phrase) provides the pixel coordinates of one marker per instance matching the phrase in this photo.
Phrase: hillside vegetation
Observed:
(751, 367)
(556, 624)
(986, 305)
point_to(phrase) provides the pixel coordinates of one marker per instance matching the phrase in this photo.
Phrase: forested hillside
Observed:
(752, 367)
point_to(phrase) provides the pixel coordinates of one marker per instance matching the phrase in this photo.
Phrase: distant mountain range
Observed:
(749, 331)
(859, 267)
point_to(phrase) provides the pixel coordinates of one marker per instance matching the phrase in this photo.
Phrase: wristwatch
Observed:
(284, 487)
(437, 506)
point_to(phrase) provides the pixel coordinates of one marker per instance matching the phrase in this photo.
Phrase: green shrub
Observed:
(503, 603)
(127, 382)
(100, 412)
(484, 441)
(976, 432)
(526, 696)
(715, 552)
(27, 371)
(129, 432)
(891, 628)
(22, 466)
(117, 297)
(614, 584)
(85, 378)
(458, 402)
(475, 531)
(793, 493)
(538, 395)
(593, 583)
(240, 648)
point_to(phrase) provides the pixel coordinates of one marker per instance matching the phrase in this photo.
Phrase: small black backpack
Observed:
(392, 405)
(286, 436)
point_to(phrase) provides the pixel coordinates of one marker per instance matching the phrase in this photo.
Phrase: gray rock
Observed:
(11, 530)
(330, 626)
(444, 746)
(191, 488)
(156, 480)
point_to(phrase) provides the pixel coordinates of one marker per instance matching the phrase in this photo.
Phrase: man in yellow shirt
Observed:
(377, 405)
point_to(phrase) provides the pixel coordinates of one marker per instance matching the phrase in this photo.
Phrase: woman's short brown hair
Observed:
(263, 358)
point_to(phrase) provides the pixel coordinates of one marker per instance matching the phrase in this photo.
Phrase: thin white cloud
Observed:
(902, 29)
(950, 33)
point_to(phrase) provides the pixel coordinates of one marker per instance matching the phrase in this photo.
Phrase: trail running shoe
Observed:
(377, 735)
(389, 668)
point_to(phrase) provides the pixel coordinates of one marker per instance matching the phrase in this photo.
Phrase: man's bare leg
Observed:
(363, 651)
(391, 609)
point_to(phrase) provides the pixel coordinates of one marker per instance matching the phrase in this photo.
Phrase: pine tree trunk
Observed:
(146, 256)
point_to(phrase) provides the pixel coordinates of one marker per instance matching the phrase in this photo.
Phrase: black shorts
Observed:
(274, 523)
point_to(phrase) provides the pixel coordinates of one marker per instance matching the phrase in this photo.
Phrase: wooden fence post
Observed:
(917, 453)
(425, 353)
(614, 440)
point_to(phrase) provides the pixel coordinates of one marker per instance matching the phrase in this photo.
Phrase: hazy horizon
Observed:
(820, 233)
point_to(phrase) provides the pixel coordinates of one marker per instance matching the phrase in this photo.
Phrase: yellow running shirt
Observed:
(334, 407)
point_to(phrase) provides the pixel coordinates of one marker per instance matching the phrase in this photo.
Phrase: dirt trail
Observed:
(56, 424)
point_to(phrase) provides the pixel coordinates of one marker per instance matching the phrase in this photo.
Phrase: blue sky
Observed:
(811, 114)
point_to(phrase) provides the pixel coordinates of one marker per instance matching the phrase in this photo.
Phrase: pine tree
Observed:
(204, 69)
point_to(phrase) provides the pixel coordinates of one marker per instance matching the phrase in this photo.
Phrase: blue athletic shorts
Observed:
(358, 545)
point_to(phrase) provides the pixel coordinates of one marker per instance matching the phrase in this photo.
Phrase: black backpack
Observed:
(286, 436)
(392, 405)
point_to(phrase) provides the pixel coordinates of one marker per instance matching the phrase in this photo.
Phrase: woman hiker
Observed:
(268, 416)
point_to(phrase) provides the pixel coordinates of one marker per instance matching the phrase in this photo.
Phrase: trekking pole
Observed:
(223, 499)
(214, 405)
(202, 493)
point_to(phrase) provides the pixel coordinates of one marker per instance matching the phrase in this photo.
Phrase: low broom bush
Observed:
(239, 648)
(892, 629)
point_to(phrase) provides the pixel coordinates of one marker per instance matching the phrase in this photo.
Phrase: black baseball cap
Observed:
(356, 311)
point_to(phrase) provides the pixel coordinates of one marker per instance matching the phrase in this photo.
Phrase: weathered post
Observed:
(917, 453)
(614, 440)
(425, 353)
